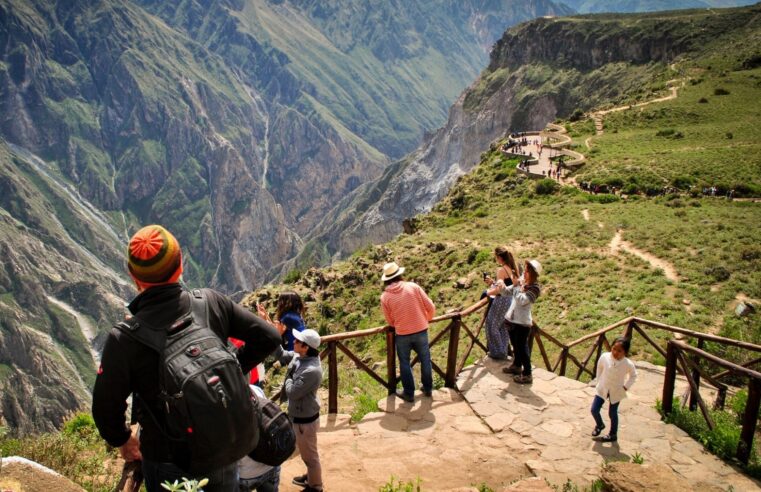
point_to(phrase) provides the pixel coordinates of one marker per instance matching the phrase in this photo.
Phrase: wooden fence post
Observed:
(669, 378)
(696, 378)
(563, 361)
(629, 329)
(332, 378)
(749, 421)
(454, 342)
(391, 360)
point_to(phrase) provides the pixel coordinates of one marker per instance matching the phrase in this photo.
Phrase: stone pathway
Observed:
(438, 440)
(497, 432)
(551, 420)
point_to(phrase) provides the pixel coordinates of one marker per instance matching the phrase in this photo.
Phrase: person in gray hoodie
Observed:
(302, 379)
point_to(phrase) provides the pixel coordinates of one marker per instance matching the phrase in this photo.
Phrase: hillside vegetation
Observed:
(711, 243)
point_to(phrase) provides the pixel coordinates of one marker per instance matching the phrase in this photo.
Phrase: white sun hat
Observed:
(391, 270)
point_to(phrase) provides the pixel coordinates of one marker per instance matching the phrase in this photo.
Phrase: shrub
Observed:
(80, 425)
(702, 100)
(719, 273)
(682, 182)
(292, 276)
(576, 115)
(729, 135)
(603, 198)
(665, 132)
(546, 186)
(720, 91)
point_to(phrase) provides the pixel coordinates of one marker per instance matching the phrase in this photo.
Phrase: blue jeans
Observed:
(404, 345)
(268, 482)
(612, 413)
(224, 479)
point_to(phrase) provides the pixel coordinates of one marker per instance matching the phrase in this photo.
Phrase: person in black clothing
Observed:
(129, 367)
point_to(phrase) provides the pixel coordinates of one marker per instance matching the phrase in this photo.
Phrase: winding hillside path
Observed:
(597, 116)
(495, 431)
(618, 244)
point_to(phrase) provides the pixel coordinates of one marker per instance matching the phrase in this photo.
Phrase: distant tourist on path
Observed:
(129, 366)
(408, 309)
(616, 375)
(302, 379)
(518, 320)
(496, 332)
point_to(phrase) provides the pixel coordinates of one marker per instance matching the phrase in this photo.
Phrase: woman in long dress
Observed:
(497, 339)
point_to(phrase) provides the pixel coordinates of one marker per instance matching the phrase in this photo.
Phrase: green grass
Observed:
(77, 452)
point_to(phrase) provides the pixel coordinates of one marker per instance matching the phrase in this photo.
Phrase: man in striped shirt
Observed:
(408, 309)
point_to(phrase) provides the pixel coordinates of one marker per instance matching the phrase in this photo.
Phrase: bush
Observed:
(80, 425)
(720, 91)
(682, 182)
(702, 100)
(719, 273)
(292, 276)
(729, 135)
(603, 198)
(669, 133)
(546, 187)
(576, 115)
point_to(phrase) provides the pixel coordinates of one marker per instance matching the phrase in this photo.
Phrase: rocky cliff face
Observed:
(238, 124)
(538, 71)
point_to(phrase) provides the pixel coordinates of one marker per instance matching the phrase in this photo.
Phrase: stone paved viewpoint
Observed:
(497, 432)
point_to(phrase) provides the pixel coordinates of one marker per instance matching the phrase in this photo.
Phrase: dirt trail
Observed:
(617, 244)
(597, 116)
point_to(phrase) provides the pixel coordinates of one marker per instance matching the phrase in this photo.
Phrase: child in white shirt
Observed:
(615, 376)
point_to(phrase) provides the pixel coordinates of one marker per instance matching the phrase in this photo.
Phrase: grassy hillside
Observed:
(712, 243)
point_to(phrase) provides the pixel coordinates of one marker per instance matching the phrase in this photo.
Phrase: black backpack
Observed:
(209, 411)
(277, 441)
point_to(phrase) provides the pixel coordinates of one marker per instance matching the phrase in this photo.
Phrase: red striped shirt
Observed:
(407, 307)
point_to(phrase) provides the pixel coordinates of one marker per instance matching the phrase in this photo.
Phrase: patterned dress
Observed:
(496, 334)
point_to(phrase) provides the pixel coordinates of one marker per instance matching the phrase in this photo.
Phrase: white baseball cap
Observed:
(310, 337)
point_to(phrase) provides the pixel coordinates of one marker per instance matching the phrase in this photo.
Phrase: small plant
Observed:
(186, 485)
(638, 459)
(396, 485)
(729, 135)
(720, 91)
(703, 100)
(292, 276)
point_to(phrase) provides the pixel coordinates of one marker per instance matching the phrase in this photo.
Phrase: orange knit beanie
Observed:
(154, 257)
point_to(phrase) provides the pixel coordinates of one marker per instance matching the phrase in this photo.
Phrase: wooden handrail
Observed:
(337, 337)
(717, 360)
(696, 334)
(600, 332)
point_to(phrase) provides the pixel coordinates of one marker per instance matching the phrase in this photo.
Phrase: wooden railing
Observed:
(690, 366)
(454, 364)
(581, 354)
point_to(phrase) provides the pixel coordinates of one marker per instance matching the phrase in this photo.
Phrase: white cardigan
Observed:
(614, 377)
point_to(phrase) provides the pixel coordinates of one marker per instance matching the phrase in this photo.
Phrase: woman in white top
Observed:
(615, 376)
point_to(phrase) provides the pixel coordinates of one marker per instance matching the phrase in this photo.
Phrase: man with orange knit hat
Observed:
(129, 367)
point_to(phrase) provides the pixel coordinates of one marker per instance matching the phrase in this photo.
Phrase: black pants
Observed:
(519, 339)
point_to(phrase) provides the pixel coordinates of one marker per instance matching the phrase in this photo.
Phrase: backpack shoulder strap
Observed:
(155, 336)
(199, 307)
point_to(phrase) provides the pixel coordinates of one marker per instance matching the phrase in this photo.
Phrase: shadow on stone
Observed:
(610, 451)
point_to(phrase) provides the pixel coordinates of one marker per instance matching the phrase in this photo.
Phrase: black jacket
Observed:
(127, 366)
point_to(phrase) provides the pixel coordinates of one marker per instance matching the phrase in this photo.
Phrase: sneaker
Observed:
(523, 379)
(597, 431)
(607, 438)
(301, 480)
(405, 397)
(511, 370)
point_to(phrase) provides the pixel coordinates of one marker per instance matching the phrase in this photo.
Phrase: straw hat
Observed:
(391, 270)
(536, 266)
